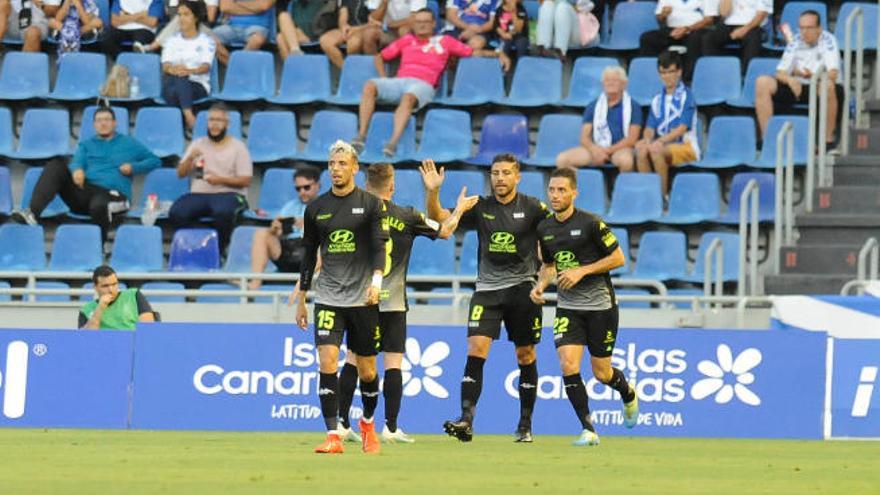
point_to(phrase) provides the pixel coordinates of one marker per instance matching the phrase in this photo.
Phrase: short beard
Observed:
(218, 137)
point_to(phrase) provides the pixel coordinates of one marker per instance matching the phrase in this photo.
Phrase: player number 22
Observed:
(560, 325)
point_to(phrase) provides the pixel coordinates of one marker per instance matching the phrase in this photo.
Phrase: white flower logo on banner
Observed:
(740, 368)
(429, 362)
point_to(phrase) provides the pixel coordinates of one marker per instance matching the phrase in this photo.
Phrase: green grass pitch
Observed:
(194, 463)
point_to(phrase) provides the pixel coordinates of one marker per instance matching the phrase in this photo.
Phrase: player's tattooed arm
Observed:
(545, 277)
(308, 267)
(433, 179)
(464, 204)
(295, 294)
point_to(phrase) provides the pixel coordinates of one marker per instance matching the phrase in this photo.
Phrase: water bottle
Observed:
(135, 88)
(151, 211)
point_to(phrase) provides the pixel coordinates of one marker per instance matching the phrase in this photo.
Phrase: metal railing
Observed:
(818, 125)
(716, 251)
(748, 239)
(857, 15)
(865, 274)
(784, 198)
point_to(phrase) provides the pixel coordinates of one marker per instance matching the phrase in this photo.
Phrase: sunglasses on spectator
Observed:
(306, 187)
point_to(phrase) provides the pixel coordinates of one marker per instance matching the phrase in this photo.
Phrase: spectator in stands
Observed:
(221, 170)
(512, 29)
(282, 241)
(471, 21)
(186, 62)
(560, 26)
(423, 59)
(611, 127)
(76, 21)
(670, 136)
(811, 49)
(355, 30)
(682, 23)
(742, 23)
(245, 21)
(211, 8)
(97, 181)
(13, 16)
(113, 309)
(396, 16)
(132, 21)
(292, 32)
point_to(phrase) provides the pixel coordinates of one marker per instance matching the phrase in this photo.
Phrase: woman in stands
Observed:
(563, 24)
(186, 61)
(212, 8)
(75, 21)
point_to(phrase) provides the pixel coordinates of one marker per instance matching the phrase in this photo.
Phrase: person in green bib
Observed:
(113, 309)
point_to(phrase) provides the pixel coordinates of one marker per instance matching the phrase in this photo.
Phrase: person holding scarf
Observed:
(670, 136)
(611, 127)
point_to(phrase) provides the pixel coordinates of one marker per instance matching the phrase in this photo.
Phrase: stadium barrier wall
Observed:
(692, 383)
(855, 400)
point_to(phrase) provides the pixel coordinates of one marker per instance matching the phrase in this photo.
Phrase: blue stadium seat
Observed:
(446, 136)
(432, 257)
(636, 199)
(250, 76)
(586, 80)
(622, 236)
(591, 191)
(381, 126)
(730, 242)
(532, 183)
(766, 197)
(869, 27)
(56, 208)
(219, 299)
(694, 198)
(630, 20)
(6, 137)
(661, 256)
(455, 180)
(502, 134)
(164, 183)
(76, 248)
(161, 130)
(148, 70)
(408, 189)
(478, 80)
(51, 284)
(731, 143)
(556, 133)
(137, 248)
(238, 256)
(328, 126)
(277, 189)
(233, 129)
(759, 66)
(272, 136)
(194, 250)
(356, 70)
(24, 76)
(790, 14)
(22, 248)
(644, 81)
(716, 80)
(801, 135)
(633, 304)
(80, 76)
(536, 82)
(87, 125)
(304, 79)
(360, 179)
(532, 7)
(148, 286)
(5, 192)
(44, 134)
(470, 254)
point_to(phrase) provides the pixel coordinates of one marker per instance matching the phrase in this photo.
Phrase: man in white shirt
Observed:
(132, 21)
(30, 29)
(811, 50)
(742, 24)
(683, 22)
(395, 16)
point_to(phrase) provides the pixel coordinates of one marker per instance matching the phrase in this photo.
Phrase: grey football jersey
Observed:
(404, 224)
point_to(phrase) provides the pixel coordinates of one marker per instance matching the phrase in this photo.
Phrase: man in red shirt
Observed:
(423, 59)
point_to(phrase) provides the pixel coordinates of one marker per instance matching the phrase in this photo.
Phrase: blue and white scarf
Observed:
(670, 117)
(601, 130)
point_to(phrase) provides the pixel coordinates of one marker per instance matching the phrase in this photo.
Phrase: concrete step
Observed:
(847, 173)
(860, 160)
(804, 283)
(831, 228)
(830, 259)
(860, 200)
(864, 141)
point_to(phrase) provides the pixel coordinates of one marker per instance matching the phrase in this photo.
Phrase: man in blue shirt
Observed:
(245, 21)
(471, 21)
(97, 181)
(611, 127)
(285, 251)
